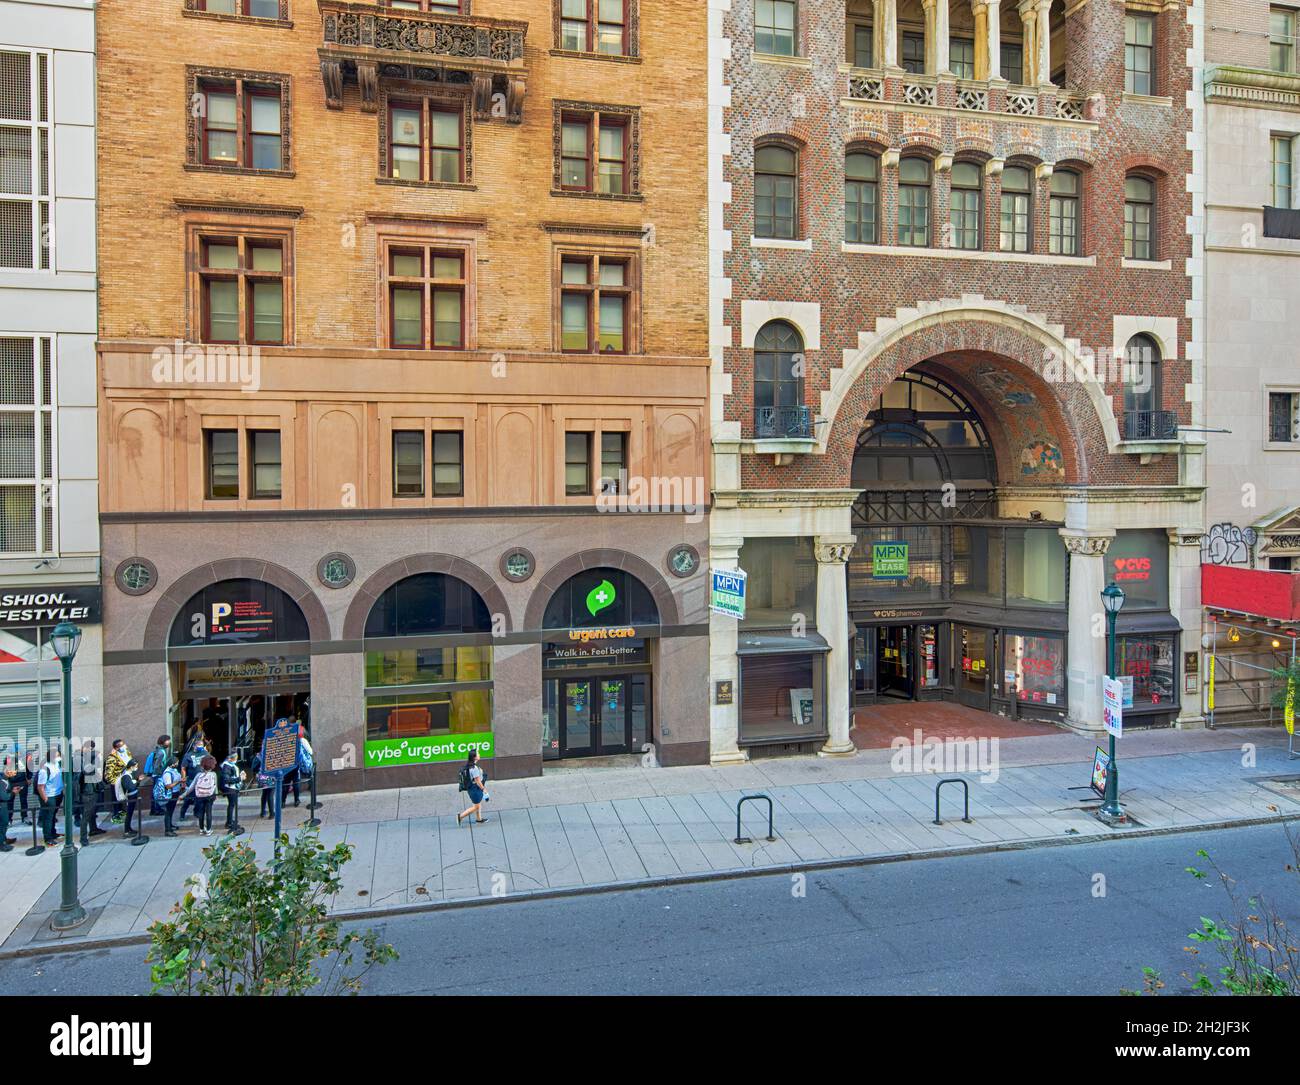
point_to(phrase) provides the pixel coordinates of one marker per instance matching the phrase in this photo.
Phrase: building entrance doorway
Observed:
(895, 676)
(609, 714)
(974, 650)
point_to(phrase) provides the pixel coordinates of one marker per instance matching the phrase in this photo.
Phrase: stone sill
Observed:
(1282, 446)
(782, 61)
(1148, 448)
(970, 254)
(804, 245)
(1147, 265)
(1147, 99)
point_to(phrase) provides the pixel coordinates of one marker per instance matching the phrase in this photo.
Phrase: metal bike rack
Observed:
(744, 799)
(939, 787)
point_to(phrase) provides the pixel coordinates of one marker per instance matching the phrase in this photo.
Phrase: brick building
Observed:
(404, 365)
(954, 337)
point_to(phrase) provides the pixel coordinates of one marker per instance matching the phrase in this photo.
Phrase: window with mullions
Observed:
(861, 198)
(31, 713)
(594, 149)
(24, 160)
(577, 464)
(1063, 220)
(426, 297)
(254, 9)
(27, 446)
(241, 283)
(408, 463)
(435, 7)
(1282, 39)
(913, 58)
(778, 369)
(1141, 376)
(1012, 66)
(863, 53)
(914, 202)
(613, 462)
(241, 124)
(1139, 53)
(776, 187)
(597, 294)
(264, 464)
(1139, 218)
(774, 27)
(1283, 148)
(966, 206)
(961, 57)
(595, 26)
(924, 564)
(1017, 215)
(1149, 665)
(426, 142)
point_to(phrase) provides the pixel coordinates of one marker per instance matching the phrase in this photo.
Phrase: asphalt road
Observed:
(1028, 922)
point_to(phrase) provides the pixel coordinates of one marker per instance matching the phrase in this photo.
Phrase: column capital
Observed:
(1086, 543)
(833, 549)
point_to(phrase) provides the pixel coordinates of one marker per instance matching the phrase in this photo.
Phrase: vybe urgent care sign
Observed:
(426, 749)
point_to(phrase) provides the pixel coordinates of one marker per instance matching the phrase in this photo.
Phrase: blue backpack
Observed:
(306, 763)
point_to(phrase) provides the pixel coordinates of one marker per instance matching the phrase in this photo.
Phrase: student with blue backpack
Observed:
(166, 790)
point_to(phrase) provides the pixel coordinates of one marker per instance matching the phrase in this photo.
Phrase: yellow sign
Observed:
(1289, 714)
(1209, 684)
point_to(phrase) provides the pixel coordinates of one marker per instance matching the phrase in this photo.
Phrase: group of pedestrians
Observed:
(195, 780)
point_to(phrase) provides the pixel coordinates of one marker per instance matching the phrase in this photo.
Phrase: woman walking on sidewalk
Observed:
(471, 780)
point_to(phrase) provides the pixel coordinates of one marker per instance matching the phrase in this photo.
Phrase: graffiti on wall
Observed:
(1227, 544)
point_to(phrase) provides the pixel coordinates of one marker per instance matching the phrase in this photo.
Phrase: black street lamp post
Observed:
(1112, 598)
(66, 639)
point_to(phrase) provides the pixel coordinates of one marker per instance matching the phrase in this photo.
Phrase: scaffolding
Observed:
(1246, 654)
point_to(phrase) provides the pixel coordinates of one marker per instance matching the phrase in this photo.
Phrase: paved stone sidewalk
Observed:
(576, 828)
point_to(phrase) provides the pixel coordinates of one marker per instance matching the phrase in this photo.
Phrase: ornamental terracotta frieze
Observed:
(364, 43)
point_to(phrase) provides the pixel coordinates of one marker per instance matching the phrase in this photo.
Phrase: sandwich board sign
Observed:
(1112, 709)
(727, 592)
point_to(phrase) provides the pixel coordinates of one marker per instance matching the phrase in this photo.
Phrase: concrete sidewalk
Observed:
(577, 829)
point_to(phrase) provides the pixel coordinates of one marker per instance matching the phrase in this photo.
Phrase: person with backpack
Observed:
(473, 781)
(192, 766)
(166, 790)
(49, 789)
(267, 808)
(129, 783)
(203, 788)
(158, 758)
(232, 782)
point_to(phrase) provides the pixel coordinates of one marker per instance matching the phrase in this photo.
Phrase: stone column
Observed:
(1028, 10)
(928, 15)
(889, 32)
(832, 552)
(1043, 30)
(993, 41)
(941, 38)
(1087, 626)
(981, 13)
(724, 665)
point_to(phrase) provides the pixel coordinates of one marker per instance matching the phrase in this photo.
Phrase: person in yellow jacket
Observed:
(118, 758)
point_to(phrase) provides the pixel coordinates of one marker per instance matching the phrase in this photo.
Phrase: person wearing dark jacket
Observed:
(268, 793)
(90, 788)
(6, 797)
(232, 782)
(191, 767)
(18, 784)
(131, 780)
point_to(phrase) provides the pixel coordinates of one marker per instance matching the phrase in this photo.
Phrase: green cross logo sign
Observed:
(600, 597)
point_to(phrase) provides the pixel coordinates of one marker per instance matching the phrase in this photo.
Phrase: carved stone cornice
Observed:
(1085, 544)
(364, 43)
(833, 549)
(1233, 85)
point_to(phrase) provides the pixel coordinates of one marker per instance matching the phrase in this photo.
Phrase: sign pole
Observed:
(1110, 808)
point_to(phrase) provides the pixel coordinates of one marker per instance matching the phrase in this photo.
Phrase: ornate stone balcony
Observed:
(901, 90)
(366, 42)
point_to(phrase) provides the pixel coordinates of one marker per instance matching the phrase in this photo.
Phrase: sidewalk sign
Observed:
(279, 758)
(1100, 770)
(1112, 698)
(727, 592)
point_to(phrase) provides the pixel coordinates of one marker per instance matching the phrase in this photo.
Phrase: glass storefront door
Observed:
(576, 732)
(603, 715)
(973, 650)
(894, 661)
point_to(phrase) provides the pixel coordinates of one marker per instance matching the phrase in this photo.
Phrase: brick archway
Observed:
(957, 337)
(559, 574)
(354, 623)
(158, 628)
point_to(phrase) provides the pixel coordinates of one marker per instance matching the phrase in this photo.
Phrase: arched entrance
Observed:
(952, 595)
(239, 656)
(428, 684)
(601, 629)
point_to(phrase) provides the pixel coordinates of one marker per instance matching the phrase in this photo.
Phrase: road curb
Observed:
(88, 945)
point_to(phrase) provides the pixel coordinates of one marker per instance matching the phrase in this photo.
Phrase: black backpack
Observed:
(464, 778)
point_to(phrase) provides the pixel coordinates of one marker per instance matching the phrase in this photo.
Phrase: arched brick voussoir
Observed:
(184, 588)
(1025, 342)
(354, 624)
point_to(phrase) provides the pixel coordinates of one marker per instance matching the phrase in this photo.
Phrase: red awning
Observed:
(1259, 593)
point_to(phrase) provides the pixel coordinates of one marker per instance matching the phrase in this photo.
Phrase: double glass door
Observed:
(604, 715)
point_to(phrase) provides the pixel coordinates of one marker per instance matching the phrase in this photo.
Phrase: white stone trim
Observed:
(1163, 329)
(969, 254)
(795, 244)
(1147, 265)
(804, 315)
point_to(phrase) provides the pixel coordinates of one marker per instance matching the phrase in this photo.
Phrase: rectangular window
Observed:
(965, 208)
(774, 27)
(27, 446)
(613, 159)
(241, 289)
(1139, 53)
(448, 464)
(222, 453)
(594, 26)
(613, 462)
(861, 198)
(1283, 563)
(1283, 154)
(426, 141)
(595, 150)
(1138, 561)
(1147, 667)
(961, 57)
(575, 154)
(426, 287)
(597, 294)
(1283, 417)
(1034, 669)
(914, 202)
(1281, 39)
(1139, 207)
(1012, 65)
(24, 160)
(913, 58)
(577, 464)
(257, 9)
(408, 463)
(863, 46)
(1015, 232)
(264, 460)
(1063, 214)
(240, 124)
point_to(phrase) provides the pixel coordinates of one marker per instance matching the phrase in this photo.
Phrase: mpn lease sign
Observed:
(427, 750)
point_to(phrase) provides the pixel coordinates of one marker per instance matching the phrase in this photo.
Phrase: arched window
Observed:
(241, 611)
(776, 188)
(861, 198)
(914, 202)
(966, 208)
(778, 380)
(1063, 217)
(1139, 218)
(1017, 209)
(600, 597)
(1141, 377)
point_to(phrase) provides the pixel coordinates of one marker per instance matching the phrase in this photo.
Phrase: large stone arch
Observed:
(169, 604)
(558, 574)
(354, 622)
(975, 327)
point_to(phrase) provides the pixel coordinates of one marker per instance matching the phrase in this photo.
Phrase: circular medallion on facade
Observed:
(517, 564)
(683, 560)
(136, 576)
(336, 570)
